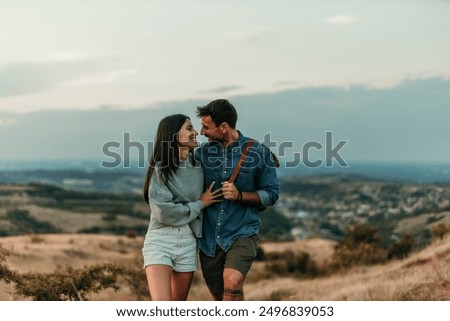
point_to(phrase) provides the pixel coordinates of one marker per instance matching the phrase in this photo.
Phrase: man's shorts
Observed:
(239, 256)
(172, 246)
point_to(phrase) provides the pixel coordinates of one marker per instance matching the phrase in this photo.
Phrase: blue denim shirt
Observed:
(225, 221)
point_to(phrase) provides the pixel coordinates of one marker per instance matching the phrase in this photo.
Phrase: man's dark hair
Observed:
(221, 111)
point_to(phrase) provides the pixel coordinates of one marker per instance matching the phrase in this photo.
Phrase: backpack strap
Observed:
(241, 160)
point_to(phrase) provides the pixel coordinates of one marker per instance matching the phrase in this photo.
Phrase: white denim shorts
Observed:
(172, 246)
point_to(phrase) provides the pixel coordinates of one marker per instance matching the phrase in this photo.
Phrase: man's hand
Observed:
(230, 192)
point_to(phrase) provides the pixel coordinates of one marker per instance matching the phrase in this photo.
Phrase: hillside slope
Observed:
(40, 208)
(423, 276)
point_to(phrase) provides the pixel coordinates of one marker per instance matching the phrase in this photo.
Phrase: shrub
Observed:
(360, 233)
(116, 229)
(109, 217)
(131, 234)
(279, 295)
(26, 223)
(36, 238)
(402, 248)
(362, 254)
(275, 226)
(68, 284)
(289, 263)
(440, 231)
(137, 280)
(5, 273)
(360, 246)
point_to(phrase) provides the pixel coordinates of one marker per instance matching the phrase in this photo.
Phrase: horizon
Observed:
(406, 123)
(56, 172)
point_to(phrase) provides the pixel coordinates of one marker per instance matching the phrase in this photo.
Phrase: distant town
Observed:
(320, 205)
(325, 205)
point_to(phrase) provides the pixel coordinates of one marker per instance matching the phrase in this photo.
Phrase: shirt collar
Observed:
(239, 142)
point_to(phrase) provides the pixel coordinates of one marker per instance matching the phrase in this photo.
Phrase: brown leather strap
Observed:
(241, 161)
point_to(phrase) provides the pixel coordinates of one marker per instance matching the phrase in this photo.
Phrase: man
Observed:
(230, 228)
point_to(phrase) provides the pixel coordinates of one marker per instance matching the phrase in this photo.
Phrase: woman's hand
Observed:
(209, 197)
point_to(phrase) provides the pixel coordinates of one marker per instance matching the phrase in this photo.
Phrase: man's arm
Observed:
(250, 199)
(230, 192)
(266, 181)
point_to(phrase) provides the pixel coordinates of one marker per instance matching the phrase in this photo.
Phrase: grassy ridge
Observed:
(41, 208)
(421, 276)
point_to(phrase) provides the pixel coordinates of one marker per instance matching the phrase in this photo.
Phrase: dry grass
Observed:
(320, 250)
(56, 251)
(422, 276)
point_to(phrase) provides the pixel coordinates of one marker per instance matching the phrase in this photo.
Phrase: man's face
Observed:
(211, 131)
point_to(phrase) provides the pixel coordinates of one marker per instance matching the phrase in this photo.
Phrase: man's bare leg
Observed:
(233, 285)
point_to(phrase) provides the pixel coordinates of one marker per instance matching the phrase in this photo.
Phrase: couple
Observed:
(221, 221)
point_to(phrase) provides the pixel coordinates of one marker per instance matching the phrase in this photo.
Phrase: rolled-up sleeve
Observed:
(267, 180)
(166, 211)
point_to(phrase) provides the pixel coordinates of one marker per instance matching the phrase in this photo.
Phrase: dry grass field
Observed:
(424, 275)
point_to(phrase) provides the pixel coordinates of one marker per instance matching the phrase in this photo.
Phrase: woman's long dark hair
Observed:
(165, 150)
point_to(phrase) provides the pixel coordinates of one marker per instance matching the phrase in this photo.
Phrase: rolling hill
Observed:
(422, 276)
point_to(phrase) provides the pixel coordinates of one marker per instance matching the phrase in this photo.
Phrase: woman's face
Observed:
(187, 136)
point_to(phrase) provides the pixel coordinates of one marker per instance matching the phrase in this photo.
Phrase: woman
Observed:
(173, 188)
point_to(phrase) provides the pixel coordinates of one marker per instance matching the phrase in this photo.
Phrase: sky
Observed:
(376, 73)
(85, 54)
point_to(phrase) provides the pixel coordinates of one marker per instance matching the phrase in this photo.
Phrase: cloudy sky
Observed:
(75, 74)
(84, 54)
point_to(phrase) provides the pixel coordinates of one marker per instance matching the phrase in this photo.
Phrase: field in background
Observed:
(50, 229)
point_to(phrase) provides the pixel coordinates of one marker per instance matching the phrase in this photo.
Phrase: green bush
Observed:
(274, 226)
(25, 223)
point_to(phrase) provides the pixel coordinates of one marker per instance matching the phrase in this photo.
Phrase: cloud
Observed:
(286, 83)
(7, 121)
(296, 115)
(101, 78)
(341, 20)
(255, 36)
(65, 56)
(23, 78)
(32, 77)
(223, 89)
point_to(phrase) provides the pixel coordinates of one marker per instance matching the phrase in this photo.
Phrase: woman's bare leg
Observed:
(181, 284)
(159, 282)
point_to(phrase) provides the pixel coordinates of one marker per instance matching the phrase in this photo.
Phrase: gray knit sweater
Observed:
(177, 202)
